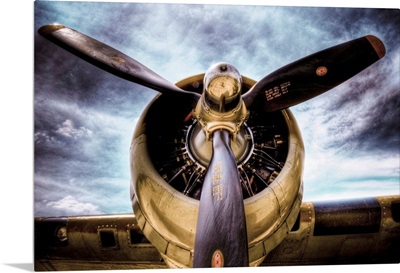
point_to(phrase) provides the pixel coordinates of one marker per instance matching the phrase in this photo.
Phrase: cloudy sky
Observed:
(84, 117)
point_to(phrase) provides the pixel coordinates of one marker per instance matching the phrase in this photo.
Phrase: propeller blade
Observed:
(314, 74)
(109, 59)
(221, 235)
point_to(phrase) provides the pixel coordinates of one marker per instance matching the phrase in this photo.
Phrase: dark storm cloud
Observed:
(383, 130)
(84, 117)
(377, 119)
(372, 97)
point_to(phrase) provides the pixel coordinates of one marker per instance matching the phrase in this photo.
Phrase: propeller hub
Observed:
(221, 105)
(222, 87)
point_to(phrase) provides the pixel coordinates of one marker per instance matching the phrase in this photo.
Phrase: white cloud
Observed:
(43, 137)
(69, 205)
(69, 129)
(64, 195)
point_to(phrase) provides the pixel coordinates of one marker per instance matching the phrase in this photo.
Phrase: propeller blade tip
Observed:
(48, 29)
(378, 45)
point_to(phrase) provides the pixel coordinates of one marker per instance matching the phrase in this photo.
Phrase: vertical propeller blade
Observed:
(315, 74)
(109, 59)
(221, 237)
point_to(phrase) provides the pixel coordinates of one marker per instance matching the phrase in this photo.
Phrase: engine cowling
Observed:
(168, 162)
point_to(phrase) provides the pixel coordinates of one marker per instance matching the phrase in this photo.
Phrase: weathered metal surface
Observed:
(83, 249)
(367, 241)
(66, 242)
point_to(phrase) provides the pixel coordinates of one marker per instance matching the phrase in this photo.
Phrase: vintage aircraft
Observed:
(216, 174)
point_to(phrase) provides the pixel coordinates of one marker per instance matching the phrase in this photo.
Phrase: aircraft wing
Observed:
(332, 232)
(99, 242)
(359, 231)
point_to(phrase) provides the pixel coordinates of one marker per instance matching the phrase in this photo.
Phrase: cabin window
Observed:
(108, 238)
(396, 211)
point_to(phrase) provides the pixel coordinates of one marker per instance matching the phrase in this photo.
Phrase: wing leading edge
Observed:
(334, 232)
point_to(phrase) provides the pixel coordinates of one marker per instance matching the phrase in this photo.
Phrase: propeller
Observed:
(110, 59)
(221, 237)
(315, 74)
